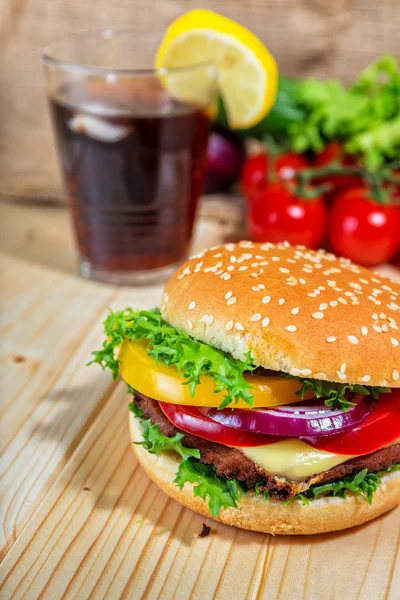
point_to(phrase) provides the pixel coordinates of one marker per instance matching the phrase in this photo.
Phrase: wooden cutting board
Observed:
(80, 519)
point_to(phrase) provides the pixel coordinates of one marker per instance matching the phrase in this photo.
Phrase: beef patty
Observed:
(231, 463)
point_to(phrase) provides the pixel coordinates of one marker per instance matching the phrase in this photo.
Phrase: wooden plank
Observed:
(46, 317)
(105, 531)
(49, 331)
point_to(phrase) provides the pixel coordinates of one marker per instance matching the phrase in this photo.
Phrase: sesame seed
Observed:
(342, 300)
(331, 339)
(283, 270)
(228, 295)
(247, 256)
(320, 376)
(265, 321)
(341, 375)
(253, 275)
(302, 281)
(395, 374)
(229, 325)
(323, 306)
(255, 317)
(239, 326)
(307, 270)
(255, 288)
(276, 258)
(343, 367)
(377, 328)
(364, 330)
(233, 259)
(333, 303)
(385, 328)
(281, 301)
(244, 268)
(291, 328)
(207, 319)
(365, 379)
(295, 372)
(382, 315)
(394, 341)
(306, 372)
(230, 268)
(261, 286)
(364, 281)
(312, 295)
(226, 276)
(393, 325)
(254, 264)
(318, 315)
(352, 339)
(266, 299)
(192, 305)
(231, 301)
(375, 316)
(190, 324)
(295, 311)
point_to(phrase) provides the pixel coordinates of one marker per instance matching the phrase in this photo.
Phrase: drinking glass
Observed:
(132, 142)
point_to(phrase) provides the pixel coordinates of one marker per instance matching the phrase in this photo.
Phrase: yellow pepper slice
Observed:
(163, 383)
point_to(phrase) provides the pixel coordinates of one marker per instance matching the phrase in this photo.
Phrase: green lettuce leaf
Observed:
(363, 483)
(363, 116)
(172, 346)
(220, 493)
(156, 442)
(335, 393)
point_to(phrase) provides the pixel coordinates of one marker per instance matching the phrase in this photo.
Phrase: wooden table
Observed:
(80, 519)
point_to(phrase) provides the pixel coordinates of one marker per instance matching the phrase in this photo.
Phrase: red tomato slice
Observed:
(380, 429)
(191, 420)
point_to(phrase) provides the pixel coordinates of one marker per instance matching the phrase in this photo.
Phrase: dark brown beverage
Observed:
(134, 165)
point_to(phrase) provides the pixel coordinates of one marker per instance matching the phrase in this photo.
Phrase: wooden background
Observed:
(79, 517)
(329, 38)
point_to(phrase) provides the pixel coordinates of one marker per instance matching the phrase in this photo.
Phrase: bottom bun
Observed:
(271, 516)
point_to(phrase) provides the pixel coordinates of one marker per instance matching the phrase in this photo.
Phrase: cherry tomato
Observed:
(254, 173)
(287, 165)
(363, 230)
(191, 420)
(339, 183)
(276, 215)
(380, 428)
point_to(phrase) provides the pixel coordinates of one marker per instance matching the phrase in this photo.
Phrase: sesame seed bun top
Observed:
(299, 311)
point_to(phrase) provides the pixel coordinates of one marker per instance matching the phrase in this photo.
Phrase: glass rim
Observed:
(109, 33)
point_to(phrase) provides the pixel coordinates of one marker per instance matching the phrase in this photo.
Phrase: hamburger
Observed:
(266, 389)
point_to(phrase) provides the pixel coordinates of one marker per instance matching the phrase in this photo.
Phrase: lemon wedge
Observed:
(247, 72)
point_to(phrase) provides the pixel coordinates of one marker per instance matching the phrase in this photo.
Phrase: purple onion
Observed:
(225, 157)
(303, 419)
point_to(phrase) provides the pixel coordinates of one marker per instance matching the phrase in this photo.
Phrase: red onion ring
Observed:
(309, 418)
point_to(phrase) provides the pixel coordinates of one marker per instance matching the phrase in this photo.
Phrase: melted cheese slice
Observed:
(294, 459)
